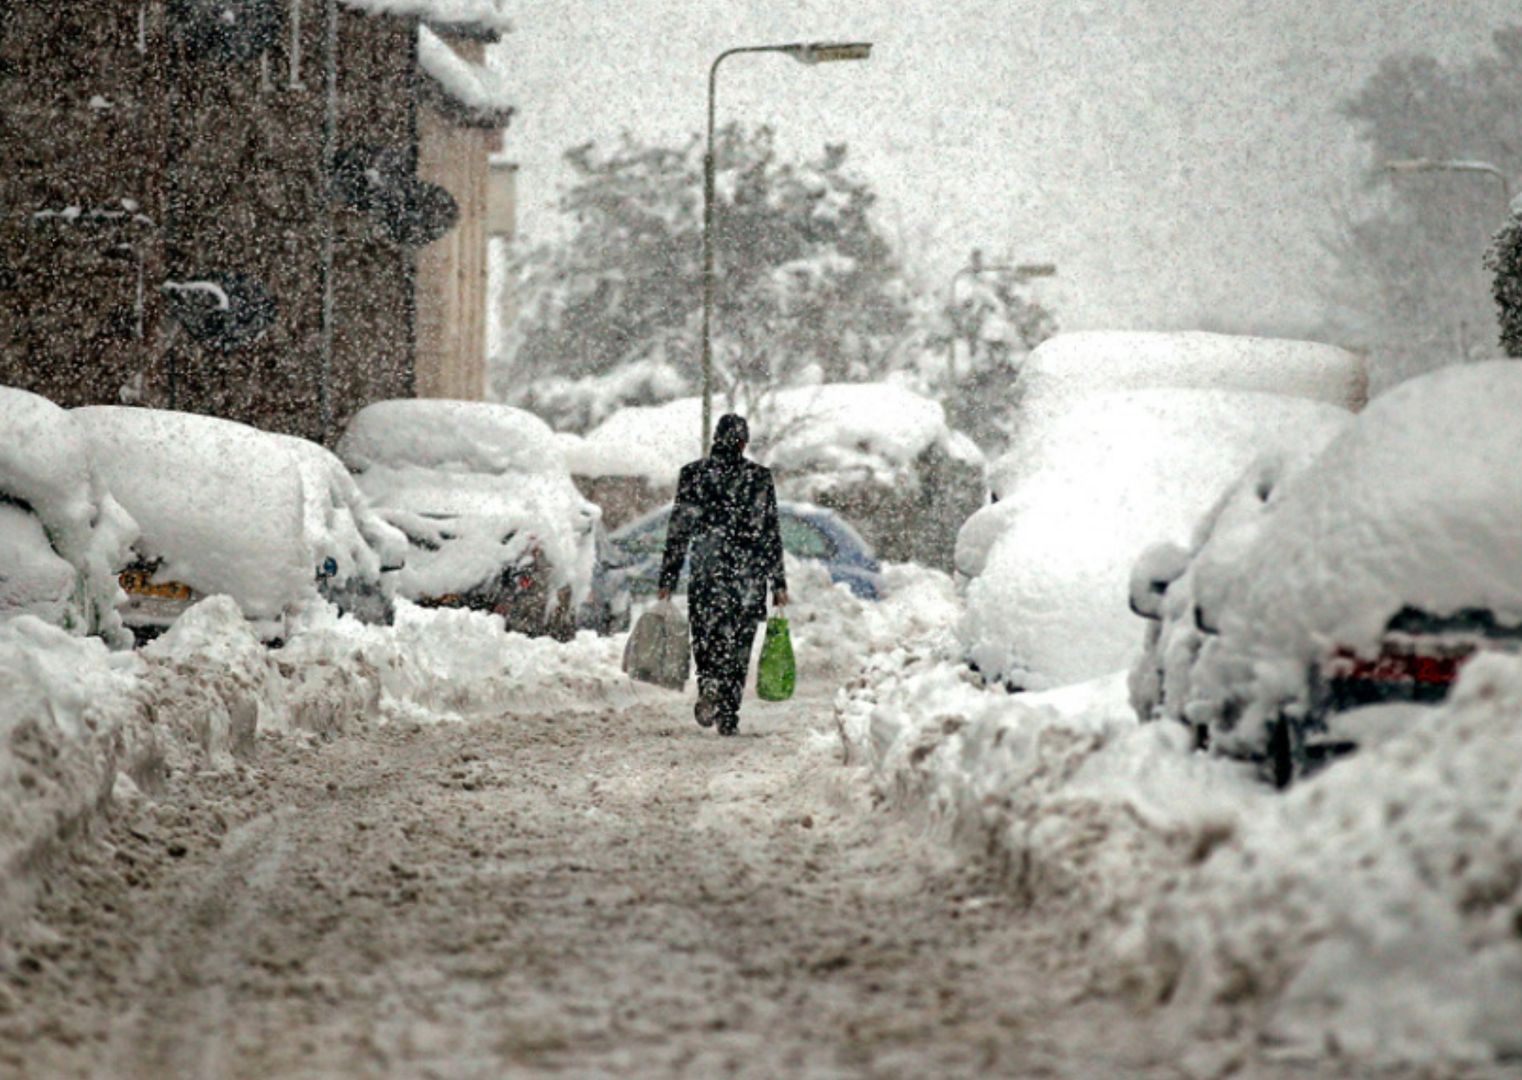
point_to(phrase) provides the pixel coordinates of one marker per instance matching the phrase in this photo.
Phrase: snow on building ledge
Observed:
(480, 18)
(471, 93)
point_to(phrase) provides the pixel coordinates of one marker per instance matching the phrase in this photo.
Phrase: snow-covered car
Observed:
(482, 493)
(358, 551)
(1368, 576)
(808, 532)
(1084, 490)
(224, 508)
(63, 537)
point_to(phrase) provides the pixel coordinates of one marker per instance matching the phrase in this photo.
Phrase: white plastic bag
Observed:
(659, 649)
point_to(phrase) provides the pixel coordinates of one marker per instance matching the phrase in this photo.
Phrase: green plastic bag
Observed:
(775, 674)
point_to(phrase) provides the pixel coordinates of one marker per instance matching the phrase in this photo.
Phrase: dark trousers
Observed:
(721, 645)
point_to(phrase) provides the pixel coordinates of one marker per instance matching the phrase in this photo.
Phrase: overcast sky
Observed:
(1176, 158)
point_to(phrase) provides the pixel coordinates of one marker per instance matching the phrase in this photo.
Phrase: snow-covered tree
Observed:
(1417, 264)
(974, 343)
(808, 289)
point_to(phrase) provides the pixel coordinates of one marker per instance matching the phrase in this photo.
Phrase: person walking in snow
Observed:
(726, 514)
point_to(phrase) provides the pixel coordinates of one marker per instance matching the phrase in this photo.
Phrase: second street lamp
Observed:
(812, 52)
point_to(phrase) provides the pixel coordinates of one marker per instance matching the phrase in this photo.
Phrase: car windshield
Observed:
(803, 540)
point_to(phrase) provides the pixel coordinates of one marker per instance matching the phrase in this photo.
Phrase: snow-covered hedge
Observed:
(1370, 914)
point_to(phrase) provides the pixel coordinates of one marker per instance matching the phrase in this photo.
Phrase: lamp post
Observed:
(1426, 165)
(1021, 272)
(816, 52)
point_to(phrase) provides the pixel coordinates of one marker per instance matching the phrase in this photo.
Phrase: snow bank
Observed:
(1083, 493)
(1371, 914)
(220, 503)
(78, 721)
(47, 475)
(851, 431)
(1074, 365)
(59, 705)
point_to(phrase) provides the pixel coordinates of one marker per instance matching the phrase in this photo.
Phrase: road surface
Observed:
(614, 894)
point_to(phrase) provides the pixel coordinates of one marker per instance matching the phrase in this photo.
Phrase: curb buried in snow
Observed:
(1370, 914)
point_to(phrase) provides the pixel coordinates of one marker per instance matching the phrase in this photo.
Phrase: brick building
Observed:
(233, 206)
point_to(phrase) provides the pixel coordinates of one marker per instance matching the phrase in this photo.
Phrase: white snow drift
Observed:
(1371, 914)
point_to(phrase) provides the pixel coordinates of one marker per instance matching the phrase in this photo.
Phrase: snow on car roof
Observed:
(219, 502)
(1100, 361)
(1418, 503)
(1084, 492)
(453, 436)
(872, 427)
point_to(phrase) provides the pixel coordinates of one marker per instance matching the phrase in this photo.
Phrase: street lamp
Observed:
(813, 52)
(1426, 165)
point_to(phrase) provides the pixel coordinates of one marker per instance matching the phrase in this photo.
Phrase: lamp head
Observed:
(824, 52)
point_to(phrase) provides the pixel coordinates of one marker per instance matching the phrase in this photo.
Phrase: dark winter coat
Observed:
(725, 520)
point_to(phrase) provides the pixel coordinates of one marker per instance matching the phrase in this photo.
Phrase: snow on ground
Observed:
(78, 721)
(1371, 914)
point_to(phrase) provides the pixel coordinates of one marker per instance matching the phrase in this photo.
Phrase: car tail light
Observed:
(1439, 669)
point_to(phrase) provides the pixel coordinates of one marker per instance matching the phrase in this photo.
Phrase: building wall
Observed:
(224, 162)
(452, 271)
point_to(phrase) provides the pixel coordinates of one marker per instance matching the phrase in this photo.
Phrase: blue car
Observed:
(808, 532)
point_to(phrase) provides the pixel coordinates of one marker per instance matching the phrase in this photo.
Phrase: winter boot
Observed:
(703, 711)
(729, 725)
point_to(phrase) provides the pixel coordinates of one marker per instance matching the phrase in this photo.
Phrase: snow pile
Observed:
(1418, 503)
(220, 503)
(1370, 913)
(1069, 366)
(475, 86)
(1374, 910)
(840, 432)
(835, 632)
(1083, 493)
(60, 701)
(78, 721)
(62, 534)
(452, 663)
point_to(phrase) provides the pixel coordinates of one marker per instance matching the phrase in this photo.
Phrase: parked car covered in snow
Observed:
(62, 534)
(1369, 576)
(483, 496)
(360, 553)
(224, 508)
(879, 454)
(808, 532)
(1085, 489)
